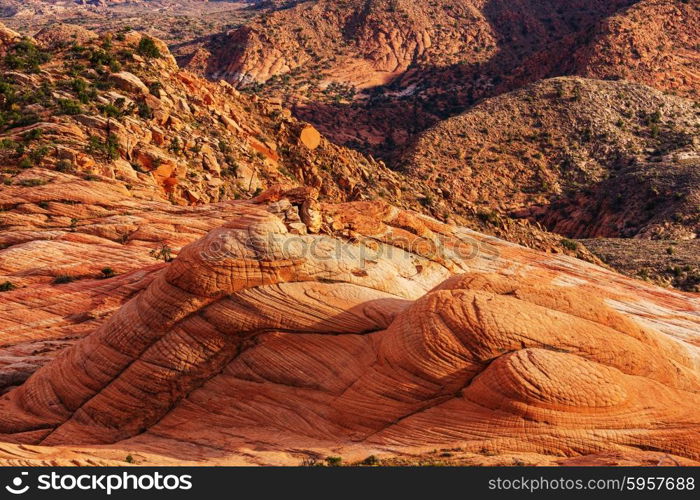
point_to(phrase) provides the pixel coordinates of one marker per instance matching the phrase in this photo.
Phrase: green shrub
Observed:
(111, 111)
(154, 88)
(164, 253)
(26, 56)
(488, 217)
(69, 107)
(32, 182)
(108, 272)
(102, 58)
(64, 166)
(147, 48)
(230, 171)
(33, 135)
(174, 146)
(85, 92)
(7, 286)
(569, 245)
(108, 148)
(224, 147)
(38, 154)
(8, 144)
(144, 110)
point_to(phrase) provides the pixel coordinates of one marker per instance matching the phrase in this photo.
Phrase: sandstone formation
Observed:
(191, 275)
(310, 137)
(7, 38)
(380, 39)
(389, 333)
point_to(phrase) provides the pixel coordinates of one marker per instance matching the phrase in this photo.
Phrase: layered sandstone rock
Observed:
(145, 313)
(388, 333)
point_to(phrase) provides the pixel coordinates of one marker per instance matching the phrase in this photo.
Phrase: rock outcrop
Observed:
(388, 333)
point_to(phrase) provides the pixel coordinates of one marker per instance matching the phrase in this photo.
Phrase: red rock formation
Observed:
(387, 333)
(439, 58)
(292, 326)
(310, 137)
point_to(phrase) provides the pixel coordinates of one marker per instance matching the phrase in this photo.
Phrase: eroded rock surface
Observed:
(386, 333)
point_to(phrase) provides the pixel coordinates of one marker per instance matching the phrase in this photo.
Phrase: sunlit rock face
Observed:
(371, 331)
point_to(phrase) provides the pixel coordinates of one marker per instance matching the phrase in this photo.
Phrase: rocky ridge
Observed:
(136, 121)
(347, 74)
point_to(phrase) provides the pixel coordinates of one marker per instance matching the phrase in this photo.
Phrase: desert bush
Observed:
(26, 56)
(147, 48)
(69, 107)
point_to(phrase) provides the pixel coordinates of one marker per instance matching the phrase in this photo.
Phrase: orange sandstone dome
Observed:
(377, 331)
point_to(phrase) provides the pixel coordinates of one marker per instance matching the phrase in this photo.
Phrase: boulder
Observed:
(129, 82)
(310, 137)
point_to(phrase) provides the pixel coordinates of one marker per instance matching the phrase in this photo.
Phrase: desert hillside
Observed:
(662, 38)
(116, 108)
(343, 70)
(572, 153)
(374, 232)
(585, 159)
